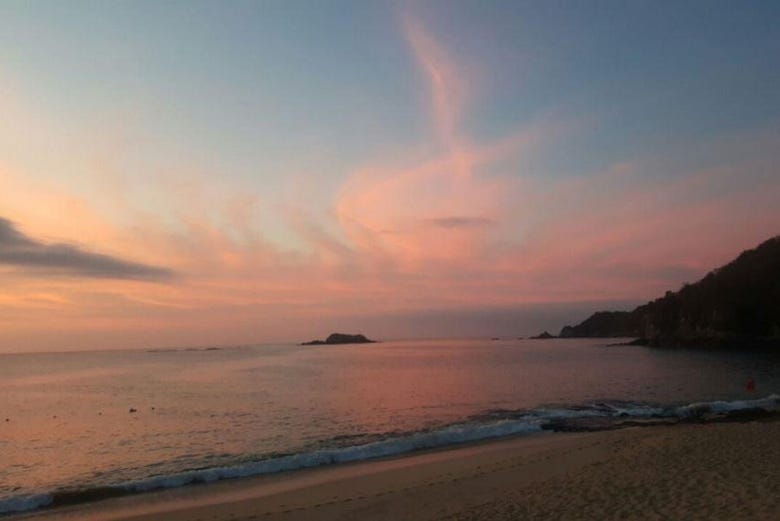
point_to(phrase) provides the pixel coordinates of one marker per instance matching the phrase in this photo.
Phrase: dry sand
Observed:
(686, 472)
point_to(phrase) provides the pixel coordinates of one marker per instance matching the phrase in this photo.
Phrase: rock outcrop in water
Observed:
(735, 305)
(543, 336)
(340, 338)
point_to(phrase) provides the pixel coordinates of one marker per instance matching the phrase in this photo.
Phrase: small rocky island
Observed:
(340, 338)
(543, 336)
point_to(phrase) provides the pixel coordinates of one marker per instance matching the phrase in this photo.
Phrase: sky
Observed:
(216, 173)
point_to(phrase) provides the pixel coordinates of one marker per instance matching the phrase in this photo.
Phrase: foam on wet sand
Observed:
(690, 471)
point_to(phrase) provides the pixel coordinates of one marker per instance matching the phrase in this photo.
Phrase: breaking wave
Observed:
(493, 424)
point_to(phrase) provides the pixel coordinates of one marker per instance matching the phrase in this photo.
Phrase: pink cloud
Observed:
(404, 233)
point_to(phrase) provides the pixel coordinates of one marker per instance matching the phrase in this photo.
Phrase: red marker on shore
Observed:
(750, 386)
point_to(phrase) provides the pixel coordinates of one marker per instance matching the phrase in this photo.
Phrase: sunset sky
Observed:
(201, 173)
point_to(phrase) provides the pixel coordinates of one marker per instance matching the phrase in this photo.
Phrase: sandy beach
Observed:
(692, 471)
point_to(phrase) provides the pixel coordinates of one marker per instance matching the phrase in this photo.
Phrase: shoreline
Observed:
(461, 482)
(560, 421)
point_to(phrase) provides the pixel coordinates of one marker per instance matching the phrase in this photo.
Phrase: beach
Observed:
(688, 471)
(389, 260)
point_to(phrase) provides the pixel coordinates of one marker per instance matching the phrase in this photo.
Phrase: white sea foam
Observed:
(529, 422)
(562, 414)
(637, 411)
(770, 402)
(23, 503)
(449, 435)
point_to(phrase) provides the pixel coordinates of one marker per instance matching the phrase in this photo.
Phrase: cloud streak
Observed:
(447, 88)
(457, 232)
(22, 251)
(459, 221)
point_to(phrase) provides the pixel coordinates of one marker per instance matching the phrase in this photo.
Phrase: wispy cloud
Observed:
(22, 251)
(460, 221)
(448, 90)
(395, 214)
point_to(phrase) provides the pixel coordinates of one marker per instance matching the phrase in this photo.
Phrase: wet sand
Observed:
(692, 471)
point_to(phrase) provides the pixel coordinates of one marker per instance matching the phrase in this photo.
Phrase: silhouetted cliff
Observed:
(734, 304)
(605, 324)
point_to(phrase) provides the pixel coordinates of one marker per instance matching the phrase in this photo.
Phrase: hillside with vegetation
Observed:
(737, 304)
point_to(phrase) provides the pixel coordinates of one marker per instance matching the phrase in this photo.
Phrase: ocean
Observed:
(80, 425)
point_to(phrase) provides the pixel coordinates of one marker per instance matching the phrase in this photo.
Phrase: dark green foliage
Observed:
(738, 302)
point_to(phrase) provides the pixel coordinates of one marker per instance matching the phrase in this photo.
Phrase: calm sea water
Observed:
(66, 423)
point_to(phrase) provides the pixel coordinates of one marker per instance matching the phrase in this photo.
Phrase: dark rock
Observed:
(604, 324)
(340, 338)
(544, 336)
(752, 414)
(735, 306)
(590, 424)
(132, 410)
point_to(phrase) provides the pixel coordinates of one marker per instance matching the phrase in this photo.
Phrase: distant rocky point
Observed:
(737, 305)
(544, 336)
(604, 324)
(340, 338)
